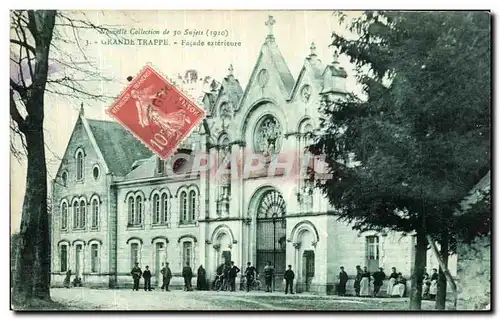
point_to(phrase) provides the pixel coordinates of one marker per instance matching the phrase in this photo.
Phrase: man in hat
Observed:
(289, 276)
(136, 275)
(147, 279)
(343, 278)
(378, 280)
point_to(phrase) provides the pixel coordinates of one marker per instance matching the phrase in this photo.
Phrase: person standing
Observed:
(357, 280)
(378, 280)
(250, 275)
(426, 284)
(163, 271)
(433, 287)
(269, 274)
(187, 274)
(233, 273)
(365, 283)
(136, 275)
(392, 281)
(67, 279)
(343, 278)
(201, 278)
(147, 279)
(167, 276)
(289, 276)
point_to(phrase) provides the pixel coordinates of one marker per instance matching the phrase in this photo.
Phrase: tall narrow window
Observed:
(76, 214)
(95, 213)
(183, 207)
(192, 205)
(160, 166)
(83, 214)
(156, 209)
(138, 215)
(64, 258)
(64, 216)
(94, 258)
(164, 204)
(134, 254)
(131, 210)
(187, 251)
(372, 253)
(79, 165)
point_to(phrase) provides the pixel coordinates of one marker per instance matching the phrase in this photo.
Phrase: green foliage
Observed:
(405, 153)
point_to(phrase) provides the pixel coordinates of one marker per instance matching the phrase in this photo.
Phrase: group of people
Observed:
(187, 274)
(395, 287)
(362, 287)
(225, 278)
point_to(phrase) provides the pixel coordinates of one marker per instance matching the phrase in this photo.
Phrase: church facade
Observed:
(115, 203)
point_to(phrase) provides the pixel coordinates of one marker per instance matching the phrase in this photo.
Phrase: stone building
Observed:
(115, 203)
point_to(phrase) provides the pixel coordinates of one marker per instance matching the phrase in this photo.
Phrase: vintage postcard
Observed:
(250, 160)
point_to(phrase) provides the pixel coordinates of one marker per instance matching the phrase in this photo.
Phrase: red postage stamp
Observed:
(156, 112)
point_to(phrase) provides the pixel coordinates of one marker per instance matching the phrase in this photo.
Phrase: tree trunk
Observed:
(418, 271)
(32, 269)
(441, 285)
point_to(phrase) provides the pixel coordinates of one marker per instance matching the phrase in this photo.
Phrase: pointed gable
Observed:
(271, 56)
(119, 148)
(312, 69)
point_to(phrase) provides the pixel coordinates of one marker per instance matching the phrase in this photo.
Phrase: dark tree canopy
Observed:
(403, 155)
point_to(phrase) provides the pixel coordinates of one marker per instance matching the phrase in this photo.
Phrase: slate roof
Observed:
(147, 169)
(280, 63)
(119, 147)
(475, 193)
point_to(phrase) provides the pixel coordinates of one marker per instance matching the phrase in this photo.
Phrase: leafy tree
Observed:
(405, 152)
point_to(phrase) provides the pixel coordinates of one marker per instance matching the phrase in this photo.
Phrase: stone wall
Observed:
(474, 272)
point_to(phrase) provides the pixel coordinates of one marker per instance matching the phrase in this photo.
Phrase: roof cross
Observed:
(313, 49)
(231, 70)
(269, 23)
(335, 56)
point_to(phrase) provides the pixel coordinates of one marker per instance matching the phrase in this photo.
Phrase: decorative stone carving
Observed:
(268, 136)
(296, 245)
(305, 93)
(216, 246)
(263, 77)
(314, 243)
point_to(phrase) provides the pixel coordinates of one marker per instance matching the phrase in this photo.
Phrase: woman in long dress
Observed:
(400, 286)
(67, 279)
(365, 283)
(392, 281)
(433, 288)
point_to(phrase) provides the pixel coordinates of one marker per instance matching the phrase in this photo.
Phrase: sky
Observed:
(294, 31)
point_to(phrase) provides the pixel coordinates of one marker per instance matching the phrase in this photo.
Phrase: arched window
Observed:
(83, 213)
(192, 206)
(183, 207)
(138, 201)
(164, 202)
(76, 214)
(64, 216)
(79, 165)
(131, 210)
(95, 213)
(156, 209)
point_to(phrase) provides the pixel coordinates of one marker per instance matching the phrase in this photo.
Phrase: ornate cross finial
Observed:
(269, 23)
(81, 109)
(231, 69)
(335, 56)
(313, 49)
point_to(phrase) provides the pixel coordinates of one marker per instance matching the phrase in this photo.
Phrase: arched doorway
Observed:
(271, 232)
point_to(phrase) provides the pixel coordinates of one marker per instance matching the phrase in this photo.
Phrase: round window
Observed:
(96, 172)
(268, 136)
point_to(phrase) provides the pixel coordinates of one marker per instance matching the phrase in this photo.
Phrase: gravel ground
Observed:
(101, 299)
